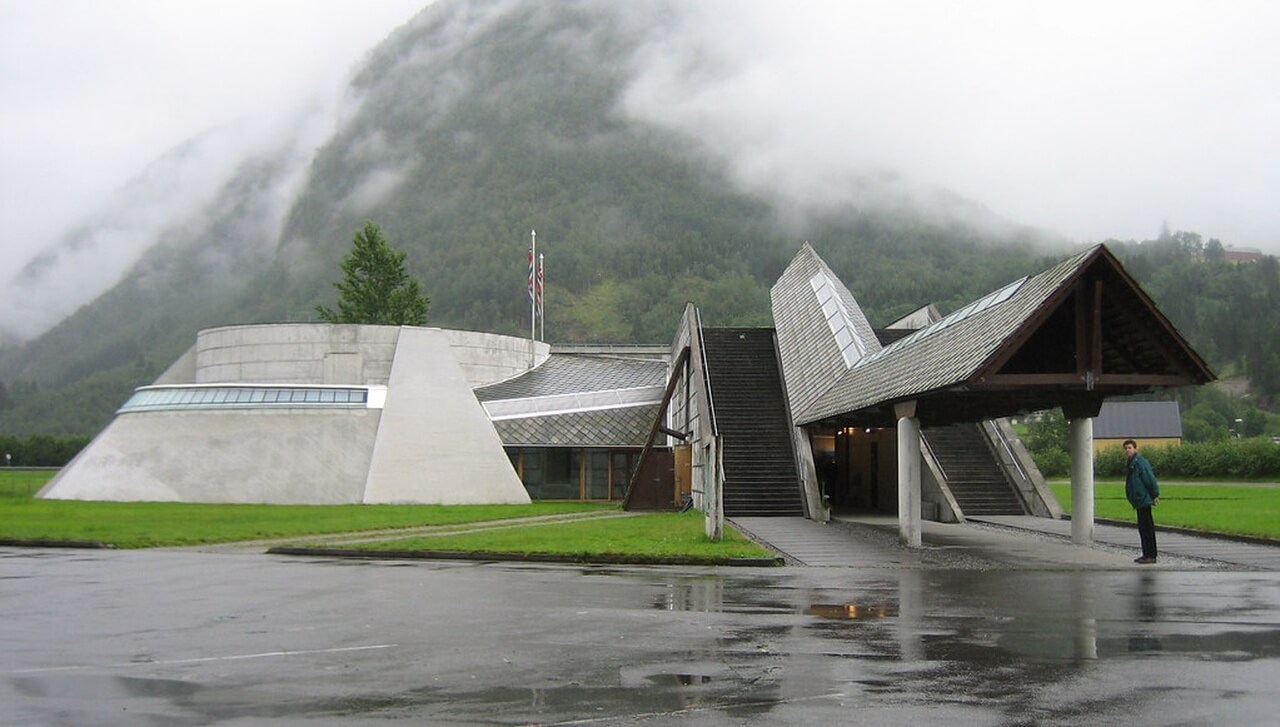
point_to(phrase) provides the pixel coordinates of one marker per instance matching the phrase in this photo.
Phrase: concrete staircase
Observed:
(974, 476)
(751, 413)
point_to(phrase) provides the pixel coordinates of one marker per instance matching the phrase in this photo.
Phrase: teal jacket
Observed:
(1140, 483)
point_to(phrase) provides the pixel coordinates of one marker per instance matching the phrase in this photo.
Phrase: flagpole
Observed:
(542, 304)
(533, 299)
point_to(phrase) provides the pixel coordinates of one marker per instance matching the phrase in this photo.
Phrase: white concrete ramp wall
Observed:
(282, 456)
(435, 444)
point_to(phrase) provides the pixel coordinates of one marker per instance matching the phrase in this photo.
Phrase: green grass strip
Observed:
(1227, 509)
(22, 482)
(156, 524)
(651, 535)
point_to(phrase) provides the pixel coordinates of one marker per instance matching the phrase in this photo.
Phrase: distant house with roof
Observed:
(1241, 254)
(1149, 423)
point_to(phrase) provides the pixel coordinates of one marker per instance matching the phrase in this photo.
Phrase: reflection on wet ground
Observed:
(129, 638)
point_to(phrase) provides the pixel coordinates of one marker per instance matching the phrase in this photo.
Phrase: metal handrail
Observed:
(936, 462)
(1008, 449)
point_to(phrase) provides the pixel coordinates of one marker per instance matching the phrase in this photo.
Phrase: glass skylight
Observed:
(978, 306)
(164, 398)
(851, 346)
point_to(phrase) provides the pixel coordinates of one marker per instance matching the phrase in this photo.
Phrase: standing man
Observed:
(1143, 493)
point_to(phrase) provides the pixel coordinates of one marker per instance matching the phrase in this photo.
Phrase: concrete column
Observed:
(908, 475)
(714, 498)
(1082, 480)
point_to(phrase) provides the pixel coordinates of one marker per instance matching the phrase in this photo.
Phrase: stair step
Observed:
(974, 476)
(751, 414)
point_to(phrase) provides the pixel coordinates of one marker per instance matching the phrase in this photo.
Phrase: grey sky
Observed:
(91, 91)
(1093, 119)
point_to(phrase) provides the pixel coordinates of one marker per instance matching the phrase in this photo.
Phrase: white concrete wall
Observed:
(281, 456)
(435, 443)
(488, 358)
(321, 353)
(295, 353)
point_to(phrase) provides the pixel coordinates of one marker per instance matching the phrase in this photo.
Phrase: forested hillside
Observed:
(478, 122)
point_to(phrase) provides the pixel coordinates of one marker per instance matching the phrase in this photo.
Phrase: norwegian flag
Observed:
(532, 284)
(538, 299)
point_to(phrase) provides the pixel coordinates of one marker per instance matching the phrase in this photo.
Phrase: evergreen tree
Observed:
(375, 288)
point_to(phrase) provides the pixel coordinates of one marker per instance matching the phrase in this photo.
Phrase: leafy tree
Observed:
(375, 288)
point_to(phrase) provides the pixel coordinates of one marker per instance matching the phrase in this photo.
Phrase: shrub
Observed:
(1053, 462)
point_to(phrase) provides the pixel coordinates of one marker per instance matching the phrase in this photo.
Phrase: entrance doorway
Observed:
(852, 471)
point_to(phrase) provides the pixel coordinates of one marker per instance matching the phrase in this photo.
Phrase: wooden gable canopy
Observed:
(1097, 335)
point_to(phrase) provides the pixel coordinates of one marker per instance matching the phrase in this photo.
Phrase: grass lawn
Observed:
(155, 524)
(1232, 509)
(158, 524)
(655, 535)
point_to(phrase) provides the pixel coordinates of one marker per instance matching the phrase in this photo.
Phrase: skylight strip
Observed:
(847, 340)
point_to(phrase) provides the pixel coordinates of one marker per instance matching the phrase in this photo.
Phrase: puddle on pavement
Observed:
(95, 687)
(853, 611)
(679, 680)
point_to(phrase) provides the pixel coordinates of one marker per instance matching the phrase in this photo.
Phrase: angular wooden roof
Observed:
(1068, 337)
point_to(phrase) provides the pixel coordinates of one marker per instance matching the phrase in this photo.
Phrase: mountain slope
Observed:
(468, 127)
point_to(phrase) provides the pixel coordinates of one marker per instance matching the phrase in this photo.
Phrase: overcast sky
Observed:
(91, 91)
(1093, 119)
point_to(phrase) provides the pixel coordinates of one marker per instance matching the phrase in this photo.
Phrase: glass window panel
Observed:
(621, 474)
(843, 337)
(534, 471)
(830, 308)
(596, 474)
(559, 474)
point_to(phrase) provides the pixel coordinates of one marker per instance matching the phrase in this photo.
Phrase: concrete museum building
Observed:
(818, 412)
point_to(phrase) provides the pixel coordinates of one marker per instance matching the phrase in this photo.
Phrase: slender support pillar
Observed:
(908, 475)
(1082, 481)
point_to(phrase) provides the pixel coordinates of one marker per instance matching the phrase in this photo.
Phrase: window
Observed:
(596, 474)
(839, 321)
(562, 473)
(213, 397)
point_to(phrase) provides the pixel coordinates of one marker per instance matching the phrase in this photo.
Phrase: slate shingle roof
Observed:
(624, 427)
(811, 359)
(1123, 419)
(578, 401)
(943, 354)
(574, 374)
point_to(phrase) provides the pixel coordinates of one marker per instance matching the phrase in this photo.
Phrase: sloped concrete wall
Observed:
(283, 456)
(435, 444)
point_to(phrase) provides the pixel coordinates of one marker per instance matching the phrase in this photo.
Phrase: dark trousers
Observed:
(1147, 532)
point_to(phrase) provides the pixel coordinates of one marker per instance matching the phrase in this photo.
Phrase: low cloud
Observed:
(1092, 119)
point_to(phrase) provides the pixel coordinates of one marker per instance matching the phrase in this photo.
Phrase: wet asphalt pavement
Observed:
(183, 638)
